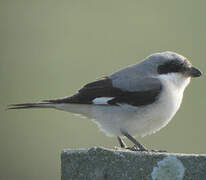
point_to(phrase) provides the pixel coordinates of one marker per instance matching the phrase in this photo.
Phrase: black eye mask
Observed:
(170, 67)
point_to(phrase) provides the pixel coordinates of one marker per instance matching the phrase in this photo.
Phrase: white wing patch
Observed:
(102, 100)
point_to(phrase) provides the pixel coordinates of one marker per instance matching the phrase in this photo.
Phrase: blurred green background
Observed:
(50, 48)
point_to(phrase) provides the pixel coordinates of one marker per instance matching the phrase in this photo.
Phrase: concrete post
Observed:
(107, 164)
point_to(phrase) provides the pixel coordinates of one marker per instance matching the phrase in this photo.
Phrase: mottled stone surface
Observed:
(107, 164)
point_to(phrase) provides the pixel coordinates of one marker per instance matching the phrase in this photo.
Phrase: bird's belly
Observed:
(152, 118)
(139, 121)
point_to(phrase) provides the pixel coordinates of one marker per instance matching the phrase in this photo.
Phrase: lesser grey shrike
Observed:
(137, 100)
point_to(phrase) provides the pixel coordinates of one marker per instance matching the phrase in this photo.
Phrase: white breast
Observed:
(168, 103)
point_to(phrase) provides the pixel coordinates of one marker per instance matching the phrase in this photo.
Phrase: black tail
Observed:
(42, 104)
(30, 105)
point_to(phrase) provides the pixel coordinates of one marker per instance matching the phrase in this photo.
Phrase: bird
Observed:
(137, 100)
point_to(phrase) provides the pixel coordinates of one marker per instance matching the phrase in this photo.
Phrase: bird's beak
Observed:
(194, 72)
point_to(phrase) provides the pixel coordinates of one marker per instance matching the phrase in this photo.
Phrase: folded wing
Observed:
(103, 91)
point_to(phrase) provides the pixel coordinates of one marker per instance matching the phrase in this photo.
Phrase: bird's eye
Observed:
(170, 67)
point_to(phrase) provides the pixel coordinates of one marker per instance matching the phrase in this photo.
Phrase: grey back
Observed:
(133, 77)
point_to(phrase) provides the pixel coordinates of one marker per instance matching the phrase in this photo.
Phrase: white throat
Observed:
(179, 81)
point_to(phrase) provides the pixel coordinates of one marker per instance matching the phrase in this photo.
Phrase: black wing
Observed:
(151, 88)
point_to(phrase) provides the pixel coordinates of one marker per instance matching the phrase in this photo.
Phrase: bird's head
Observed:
(170, 62)
(172, 66)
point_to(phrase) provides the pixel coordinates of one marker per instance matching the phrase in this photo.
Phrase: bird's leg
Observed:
(121, 142)
(123, 145)
(137, 144)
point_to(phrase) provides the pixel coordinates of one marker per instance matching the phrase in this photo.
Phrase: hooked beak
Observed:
(194, 72)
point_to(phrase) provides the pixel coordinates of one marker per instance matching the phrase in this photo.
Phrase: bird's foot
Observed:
(158, 151)
(135, 148)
